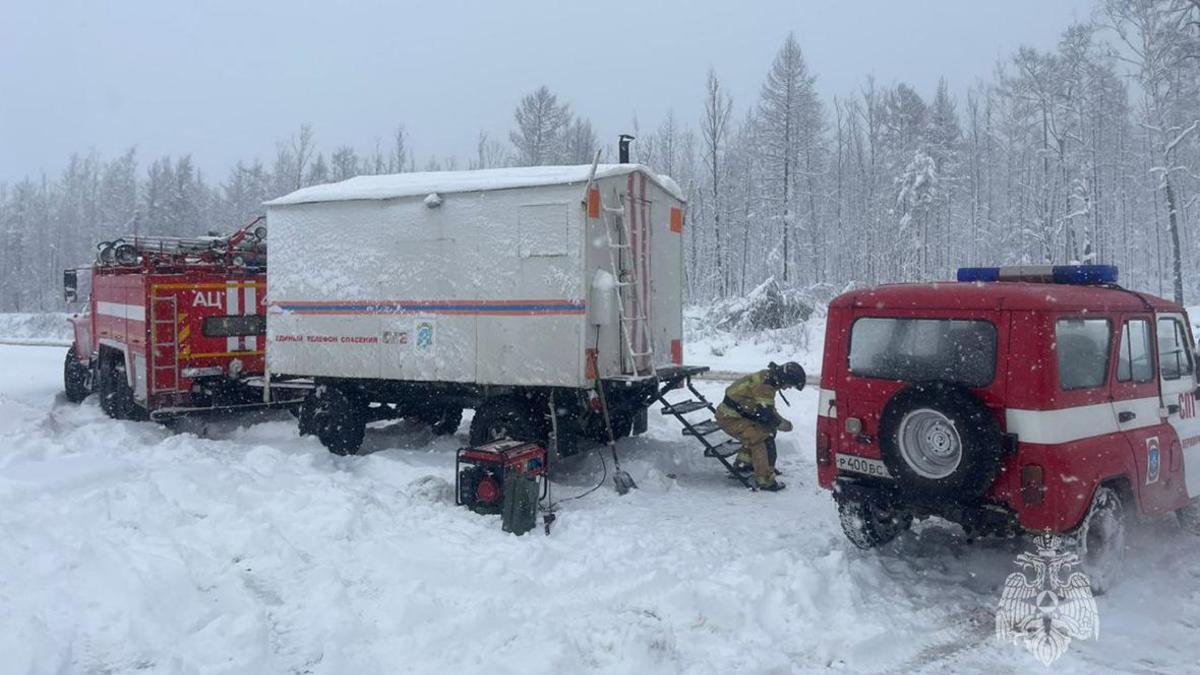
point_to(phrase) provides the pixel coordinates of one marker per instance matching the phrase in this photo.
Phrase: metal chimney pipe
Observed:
(623, 147)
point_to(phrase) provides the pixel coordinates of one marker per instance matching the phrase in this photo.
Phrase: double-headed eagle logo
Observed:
(1048, 603)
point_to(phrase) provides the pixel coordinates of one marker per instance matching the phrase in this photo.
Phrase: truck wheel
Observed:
(443, 422)
(940, 441)
(336, 418)
(505, 418)
(75, 378)
(1100, 540)
(871, 523)
(1189, 517)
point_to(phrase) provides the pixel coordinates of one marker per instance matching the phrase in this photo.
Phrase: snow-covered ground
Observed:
(34, 328)
(131, 547)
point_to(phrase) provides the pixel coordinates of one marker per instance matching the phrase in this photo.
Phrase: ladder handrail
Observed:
(709, 448)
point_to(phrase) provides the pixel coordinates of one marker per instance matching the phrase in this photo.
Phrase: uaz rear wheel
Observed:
(871, 523)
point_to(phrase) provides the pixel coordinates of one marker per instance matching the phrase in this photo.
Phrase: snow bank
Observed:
(771, 323)
(32, 327)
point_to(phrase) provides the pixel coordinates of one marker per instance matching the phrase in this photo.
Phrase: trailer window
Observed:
(924, 349)
(1083, 347)
(1174, 354)
(230, 326)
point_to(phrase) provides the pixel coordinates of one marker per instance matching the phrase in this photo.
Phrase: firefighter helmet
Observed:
(790, 374)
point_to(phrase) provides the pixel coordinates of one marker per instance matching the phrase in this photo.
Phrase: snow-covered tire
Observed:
(336, 417)
(1100, 540)
(1189, 517)
(940, 442)
(871, 523)
(75, 378)
(444, 421)
(116, 396)
(505, 418)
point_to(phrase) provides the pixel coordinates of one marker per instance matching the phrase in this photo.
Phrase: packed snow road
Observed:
(247, 549)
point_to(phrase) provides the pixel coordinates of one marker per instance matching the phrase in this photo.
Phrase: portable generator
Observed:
(482, 472)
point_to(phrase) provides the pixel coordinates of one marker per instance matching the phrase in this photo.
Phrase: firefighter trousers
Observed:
(755, 439)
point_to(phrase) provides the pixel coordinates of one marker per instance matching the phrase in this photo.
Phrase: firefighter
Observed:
(748, 414)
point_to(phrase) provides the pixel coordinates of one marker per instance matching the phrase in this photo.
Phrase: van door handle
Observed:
(1126, 416)
(1172, 408)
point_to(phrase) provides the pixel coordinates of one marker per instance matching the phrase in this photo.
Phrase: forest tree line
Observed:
(1088, 152)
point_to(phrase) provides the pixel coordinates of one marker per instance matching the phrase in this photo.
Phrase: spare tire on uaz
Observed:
(940, 442)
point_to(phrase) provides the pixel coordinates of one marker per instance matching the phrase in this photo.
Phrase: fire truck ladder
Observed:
(634, 329)
(671, 378)
(171, 362)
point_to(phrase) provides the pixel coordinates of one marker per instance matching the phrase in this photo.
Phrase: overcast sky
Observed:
(225, 80)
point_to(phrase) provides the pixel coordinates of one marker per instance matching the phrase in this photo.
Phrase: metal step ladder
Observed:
(163, 313)
(670, 378)
(634, 328)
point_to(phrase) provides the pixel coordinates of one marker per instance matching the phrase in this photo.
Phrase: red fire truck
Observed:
(173, 326)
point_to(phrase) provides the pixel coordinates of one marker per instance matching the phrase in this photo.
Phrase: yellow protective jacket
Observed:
(755, 397)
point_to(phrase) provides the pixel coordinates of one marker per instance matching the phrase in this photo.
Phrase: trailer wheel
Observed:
(505, 418)
(443, 422)
(76, 378)
(336, 417)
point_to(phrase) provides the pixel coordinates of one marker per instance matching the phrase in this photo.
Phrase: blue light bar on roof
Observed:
(1079, 275)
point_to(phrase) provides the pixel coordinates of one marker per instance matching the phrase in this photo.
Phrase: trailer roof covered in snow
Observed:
(395, 186)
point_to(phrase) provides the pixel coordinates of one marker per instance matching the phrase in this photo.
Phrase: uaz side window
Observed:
(924, 349)
(1083, 347)
(1133, 361)
(230, 326)
(1174, 355)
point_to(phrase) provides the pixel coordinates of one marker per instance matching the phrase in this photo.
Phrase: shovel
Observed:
(621, 479)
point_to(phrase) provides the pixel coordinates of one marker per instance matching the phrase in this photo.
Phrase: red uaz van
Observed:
(1034, 399)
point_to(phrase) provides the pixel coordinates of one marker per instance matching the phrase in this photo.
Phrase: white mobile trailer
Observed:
(430, 292)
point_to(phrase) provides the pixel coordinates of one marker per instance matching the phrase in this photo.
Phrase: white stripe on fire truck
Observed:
(121, 311)
(232, 343)
(250, 308)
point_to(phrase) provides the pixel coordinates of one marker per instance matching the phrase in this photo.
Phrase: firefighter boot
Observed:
(744, 462)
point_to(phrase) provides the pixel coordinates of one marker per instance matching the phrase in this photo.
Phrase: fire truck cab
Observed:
(1043, 399)
(172, 326)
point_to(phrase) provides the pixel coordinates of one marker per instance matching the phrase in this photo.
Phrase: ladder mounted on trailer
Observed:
(671, 378)
(638, 348)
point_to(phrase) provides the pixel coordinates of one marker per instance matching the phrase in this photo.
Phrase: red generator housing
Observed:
(480, 472)
(172, 326)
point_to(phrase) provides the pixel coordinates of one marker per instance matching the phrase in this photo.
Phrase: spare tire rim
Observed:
(930, 444)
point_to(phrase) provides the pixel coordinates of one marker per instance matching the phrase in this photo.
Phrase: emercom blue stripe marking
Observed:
(430, 308)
